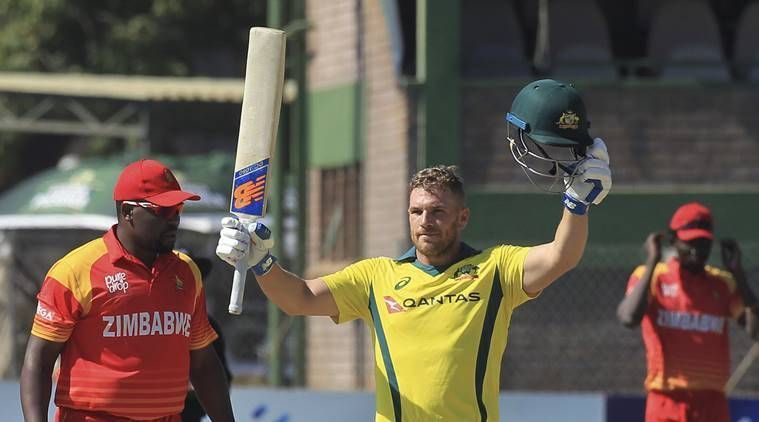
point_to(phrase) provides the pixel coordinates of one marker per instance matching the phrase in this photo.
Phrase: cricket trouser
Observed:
(65, 414)
(687, 406)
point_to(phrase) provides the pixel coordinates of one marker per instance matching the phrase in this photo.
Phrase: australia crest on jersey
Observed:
(466, 272)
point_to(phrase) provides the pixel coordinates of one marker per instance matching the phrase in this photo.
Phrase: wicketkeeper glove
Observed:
(251, 241)
(592, 180)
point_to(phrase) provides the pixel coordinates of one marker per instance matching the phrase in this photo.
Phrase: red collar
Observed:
(676, 268)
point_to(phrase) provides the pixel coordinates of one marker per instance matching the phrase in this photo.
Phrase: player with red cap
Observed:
(127, 316)
(683, 307)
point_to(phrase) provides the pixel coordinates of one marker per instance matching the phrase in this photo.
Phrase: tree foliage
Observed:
(134, 37)
(147, 37)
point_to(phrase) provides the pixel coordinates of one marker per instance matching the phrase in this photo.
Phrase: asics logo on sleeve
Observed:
(155, 323)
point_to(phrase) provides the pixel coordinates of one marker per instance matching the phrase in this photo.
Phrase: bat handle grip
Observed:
(238, 287)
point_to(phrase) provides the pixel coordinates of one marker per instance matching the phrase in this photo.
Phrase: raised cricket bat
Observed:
(262, 99)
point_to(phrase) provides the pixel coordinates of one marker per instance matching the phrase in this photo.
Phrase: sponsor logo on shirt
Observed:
(441, 300)
(687, 321)
(116, 282)
(44, 313)
(156, 323)
(402, 283)
(467, 272)
(179, 284)
(392, 305)
(669, 290)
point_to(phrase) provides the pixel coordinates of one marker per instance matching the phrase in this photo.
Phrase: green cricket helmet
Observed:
(551, 134)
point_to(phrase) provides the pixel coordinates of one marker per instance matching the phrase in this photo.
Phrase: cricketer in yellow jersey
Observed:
(440, 312)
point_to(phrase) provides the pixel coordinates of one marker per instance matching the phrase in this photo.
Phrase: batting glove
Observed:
(251, 241)
(592, 180)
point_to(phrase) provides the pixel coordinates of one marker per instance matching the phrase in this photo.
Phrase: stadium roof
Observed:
(123, 87)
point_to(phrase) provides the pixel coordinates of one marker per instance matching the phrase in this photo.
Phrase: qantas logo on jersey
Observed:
(441, 300)
(687, 321)
(392, 305)
(116, 282)
(138, 324)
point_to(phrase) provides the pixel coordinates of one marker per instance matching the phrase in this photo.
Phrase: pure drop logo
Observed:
(116, 282)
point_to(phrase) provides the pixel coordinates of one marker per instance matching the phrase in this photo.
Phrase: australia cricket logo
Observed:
(467, 272)
(568, 120)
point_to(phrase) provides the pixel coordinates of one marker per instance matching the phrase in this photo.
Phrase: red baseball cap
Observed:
(692, 221)
(152, 181)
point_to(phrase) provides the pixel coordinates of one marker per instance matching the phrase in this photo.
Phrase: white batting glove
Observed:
(592, 180)
(251, 241)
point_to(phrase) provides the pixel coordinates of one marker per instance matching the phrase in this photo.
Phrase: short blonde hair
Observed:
(439, 177)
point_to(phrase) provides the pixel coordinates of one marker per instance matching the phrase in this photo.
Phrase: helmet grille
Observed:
(550, 168)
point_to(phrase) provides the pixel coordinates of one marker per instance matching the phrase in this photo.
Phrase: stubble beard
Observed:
(434, 249)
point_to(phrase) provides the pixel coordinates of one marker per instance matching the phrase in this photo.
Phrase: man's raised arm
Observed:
(291, 293)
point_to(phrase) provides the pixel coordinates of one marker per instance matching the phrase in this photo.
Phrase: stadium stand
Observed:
(746, 52)
(579, 41)
(492, 41)
(684, 42)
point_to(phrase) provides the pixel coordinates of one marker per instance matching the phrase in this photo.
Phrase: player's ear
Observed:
(463, 217)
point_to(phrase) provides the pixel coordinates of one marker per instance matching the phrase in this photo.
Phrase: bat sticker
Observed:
(248, 189)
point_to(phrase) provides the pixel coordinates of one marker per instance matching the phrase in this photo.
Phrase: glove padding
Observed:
(251, 241)
(592, 180)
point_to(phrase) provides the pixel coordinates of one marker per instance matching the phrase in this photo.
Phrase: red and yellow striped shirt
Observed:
(685, 328)
(128, 329)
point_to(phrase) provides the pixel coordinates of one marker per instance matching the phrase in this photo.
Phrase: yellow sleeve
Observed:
(350, 289)
(511, 268)
(201, 332)
(735, 305)
(66, 293)
(659, 269)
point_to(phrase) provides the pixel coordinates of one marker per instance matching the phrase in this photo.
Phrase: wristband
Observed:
(264, 265)
(574, 206)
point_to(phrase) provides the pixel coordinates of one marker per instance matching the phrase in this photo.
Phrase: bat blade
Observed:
(259, 119)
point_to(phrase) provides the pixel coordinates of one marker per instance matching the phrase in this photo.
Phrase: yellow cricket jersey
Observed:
(439, 333)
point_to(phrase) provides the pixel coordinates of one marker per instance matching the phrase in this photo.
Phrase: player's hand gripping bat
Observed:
(262, 99)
